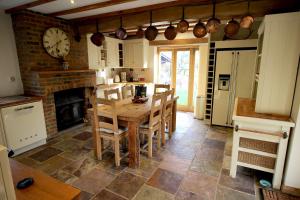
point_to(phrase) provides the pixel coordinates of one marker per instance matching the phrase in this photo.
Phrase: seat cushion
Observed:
(109, 131)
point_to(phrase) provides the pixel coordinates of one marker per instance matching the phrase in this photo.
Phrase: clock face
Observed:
(56, 42)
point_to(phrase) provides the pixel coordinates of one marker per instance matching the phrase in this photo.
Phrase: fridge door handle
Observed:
(230, 84)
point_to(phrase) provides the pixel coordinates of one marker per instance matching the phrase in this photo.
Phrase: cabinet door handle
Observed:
(24, 108)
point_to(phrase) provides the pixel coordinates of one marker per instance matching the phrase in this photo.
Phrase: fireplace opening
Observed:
(69, 106)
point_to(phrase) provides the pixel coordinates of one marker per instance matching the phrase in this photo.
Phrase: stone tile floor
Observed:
(193, 165)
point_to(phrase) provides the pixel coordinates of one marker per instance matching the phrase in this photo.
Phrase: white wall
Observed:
(292, 173)
(10, 79)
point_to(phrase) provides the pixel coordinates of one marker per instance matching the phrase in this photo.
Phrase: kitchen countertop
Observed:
(245, 109)
(17, 100)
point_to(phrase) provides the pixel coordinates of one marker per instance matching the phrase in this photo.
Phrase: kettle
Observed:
(117, 78)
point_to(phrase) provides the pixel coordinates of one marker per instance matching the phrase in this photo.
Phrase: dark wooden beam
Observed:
(91, 19)
(27, 5)
(90, 7)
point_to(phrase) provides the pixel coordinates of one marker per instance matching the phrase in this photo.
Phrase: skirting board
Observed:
(290, 190)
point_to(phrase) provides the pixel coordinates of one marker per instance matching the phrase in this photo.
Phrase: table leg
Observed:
(163, 134)
(96, 138)
(174, 112)
(134, 145)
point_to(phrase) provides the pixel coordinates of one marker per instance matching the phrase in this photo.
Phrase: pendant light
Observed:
(121, 32)
(97, 38)
(183, 25)
(231, 28)
(247, 20)
(213, 23)
(151, 32)
(140, 32)
(199, 30)
(170, 32)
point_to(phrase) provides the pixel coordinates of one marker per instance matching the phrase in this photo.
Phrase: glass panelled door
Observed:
(179, 67)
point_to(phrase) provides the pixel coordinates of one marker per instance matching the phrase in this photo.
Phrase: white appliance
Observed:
(235, 76)
(23, 127)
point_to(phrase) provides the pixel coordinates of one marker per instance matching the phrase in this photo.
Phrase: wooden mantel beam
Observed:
(89, 7)
(27, 5)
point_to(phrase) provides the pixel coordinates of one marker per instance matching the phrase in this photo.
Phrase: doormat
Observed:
(277, 195)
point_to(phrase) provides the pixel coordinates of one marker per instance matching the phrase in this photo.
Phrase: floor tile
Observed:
(64, 176)
(68, 145)
(214, 135)
(224, 193)
(226, 162)
(81, 167)
(183, 195)
(146, 169)
(174, 164)
(208, 167)
(94, 181)
(210, 154)
(84, 196)
(45, 154)
(242, 182)
(150, 193)
(126, 185)
(165, 180)
(215, 144)
(107, 195)
(200, 184)
(108, 163)
(83, 136)
(53, 164)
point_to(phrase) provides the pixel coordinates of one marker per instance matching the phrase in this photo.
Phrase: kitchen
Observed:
(59, 58)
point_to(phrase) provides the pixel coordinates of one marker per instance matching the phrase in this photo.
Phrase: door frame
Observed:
(174, 50)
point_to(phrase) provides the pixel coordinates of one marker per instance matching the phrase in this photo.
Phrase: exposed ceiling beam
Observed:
(27, 5)
(91, 19)
(89, 7)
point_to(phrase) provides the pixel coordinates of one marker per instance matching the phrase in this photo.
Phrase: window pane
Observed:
(182, 76)
(165, 66)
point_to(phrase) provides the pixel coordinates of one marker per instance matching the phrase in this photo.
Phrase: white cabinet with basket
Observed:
(259, 140)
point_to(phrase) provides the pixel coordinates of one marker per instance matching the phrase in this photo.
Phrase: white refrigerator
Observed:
(234, 77)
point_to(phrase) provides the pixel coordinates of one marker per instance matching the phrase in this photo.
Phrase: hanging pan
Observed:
(170, 32)
(151, 32)
(97, 38)
(121, 32)
(199, 30)
(183, 25)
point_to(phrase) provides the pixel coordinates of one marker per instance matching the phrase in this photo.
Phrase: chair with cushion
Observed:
(153, 126)
(167, 114)
(160, 88)
(127, 91)
(112, 94)
(108, 128)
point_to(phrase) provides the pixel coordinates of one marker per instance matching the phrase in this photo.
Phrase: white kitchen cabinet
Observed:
(136, 53)
(97, 56)
(277, 62)
(113, 50)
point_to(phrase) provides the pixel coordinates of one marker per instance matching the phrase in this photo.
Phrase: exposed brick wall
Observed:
(29, 28)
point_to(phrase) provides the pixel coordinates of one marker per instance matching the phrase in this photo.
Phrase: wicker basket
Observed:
(259, 145)
(257, 160)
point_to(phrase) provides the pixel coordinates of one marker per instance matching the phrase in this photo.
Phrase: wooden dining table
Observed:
(133, 114)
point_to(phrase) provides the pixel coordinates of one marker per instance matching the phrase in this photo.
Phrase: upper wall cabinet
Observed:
(277, 62)
(136, 53)
(114, 52)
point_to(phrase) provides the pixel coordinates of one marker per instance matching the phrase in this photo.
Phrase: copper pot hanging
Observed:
(199, 30)
(231, 28)
(170, 32)
(121, 32)
(247, 20)
(97, 38)
(183, 25)
(151, 32)
(140, 32)
(213, 23)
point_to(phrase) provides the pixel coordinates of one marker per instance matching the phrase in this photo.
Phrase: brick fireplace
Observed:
(42, 75)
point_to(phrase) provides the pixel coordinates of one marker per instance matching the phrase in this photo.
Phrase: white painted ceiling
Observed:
(60, 5)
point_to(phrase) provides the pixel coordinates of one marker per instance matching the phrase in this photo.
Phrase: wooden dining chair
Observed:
(160, 88)
(112, 94)
(167, 112)
(127, 91)
(154, 124)
(107, 128)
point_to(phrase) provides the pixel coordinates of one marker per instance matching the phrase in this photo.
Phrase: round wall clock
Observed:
(56, 42)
